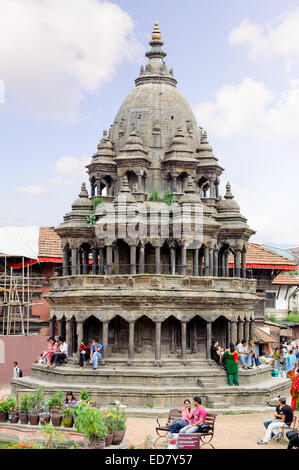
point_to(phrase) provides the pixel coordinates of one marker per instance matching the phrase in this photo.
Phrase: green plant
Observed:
(24, 404)
(23, 445)
(96, 202)
(293, 317)
(155, 197)
(149, 405)
(67, 411)
(118, 411)
(90, 421)
(11, 403)
(168, 197)
(3, 404)
(53, 437)
(34, 400)
(271, 317)
(84, 395)
(91, 219)
(55, 401)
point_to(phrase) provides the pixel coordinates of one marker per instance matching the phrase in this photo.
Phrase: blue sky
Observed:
(67, 65)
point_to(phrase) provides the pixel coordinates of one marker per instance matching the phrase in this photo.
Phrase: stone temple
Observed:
(146, 261)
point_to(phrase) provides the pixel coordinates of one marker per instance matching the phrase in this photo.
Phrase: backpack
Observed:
(274, 372)
(20, 373)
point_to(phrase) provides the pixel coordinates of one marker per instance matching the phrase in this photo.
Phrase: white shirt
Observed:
(241, 348)
(16, 371)
(64, 348)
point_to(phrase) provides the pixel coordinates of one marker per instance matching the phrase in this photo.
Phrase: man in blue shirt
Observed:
(95, 353)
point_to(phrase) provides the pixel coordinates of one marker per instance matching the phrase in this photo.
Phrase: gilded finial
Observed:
(156, 33)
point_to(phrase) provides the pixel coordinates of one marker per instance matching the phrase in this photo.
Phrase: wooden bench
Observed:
(289, 428)
(163, 429)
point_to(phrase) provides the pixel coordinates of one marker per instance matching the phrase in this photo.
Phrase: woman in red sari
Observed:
(295, 390)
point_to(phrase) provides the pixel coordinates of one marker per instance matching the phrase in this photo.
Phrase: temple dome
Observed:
(155, 106)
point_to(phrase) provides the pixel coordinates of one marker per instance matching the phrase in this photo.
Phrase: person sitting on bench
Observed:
(199, 417)
(187, 417)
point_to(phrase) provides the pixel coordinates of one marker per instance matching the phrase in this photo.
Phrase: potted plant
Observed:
(91, 422)
(12, 408)
(3, 409)
(68, 416)
(120, 420)
(24, 408)
(34, 400)
(55, 404)
(44, 415)
(85, 397)
(110, 423)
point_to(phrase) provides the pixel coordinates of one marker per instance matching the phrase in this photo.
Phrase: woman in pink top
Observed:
(47, 354)
(187, 417)
(199, 417)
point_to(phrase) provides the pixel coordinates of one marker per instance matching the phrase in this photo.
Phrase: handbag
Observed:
(203, 428)
(180, 422)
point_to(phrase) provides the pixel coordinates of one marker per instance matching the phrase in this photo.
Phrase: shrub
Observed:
(120, 419)
(11, 403)
(155, 197)
(3, 404)
(90, 421)
(84, 395)
(56, 400)
(168, 197)
(293, 317)
(24, 405)
(34, 401)
(96, 202)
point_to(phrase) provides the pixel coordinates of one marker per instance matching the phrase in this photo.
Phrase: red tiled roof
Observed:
(259, 257)
(49, 244)
(286, 279)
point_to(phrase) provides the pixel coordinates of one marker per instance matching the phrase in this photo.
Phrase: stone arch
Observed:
(220, 330)
(132, 179)
(144, 335)
(181, 180)
(118, 336)
(93, 329)
(149, 256)
(123, 256)
(197, 336)
(170, 336)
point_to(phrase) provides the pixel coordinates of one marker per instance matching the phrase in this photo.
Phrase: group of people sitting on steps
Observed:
(247, 355)
(57, 353)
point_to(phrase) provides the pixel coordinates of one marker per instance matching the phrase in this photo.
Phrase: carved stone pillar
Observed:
(94, 261)
(131, 340)
(86, 261)
(211, 261)
(133, 259)
(209, 339)
(200, 269)
(140, 189)
(98, 185)
(215, 264)
(52, 327)
(243, 264)
(69, 337)
(233, 331)
(65, 269)
(184, 340)
(183, 260)
(74, 261)
(101, 260)
(226, 253)
(109, 259)
(172, 259)
(174, 184)
(237, 263)
(206, 260)
(80, 331)
(246, 330)
(228, 333)
(195, 262)
(92, 188)
(60, 328)
(251, 329)
(239, 331)
(157, 340)
(157, 260)
(141, 258)
(105, 338)
(116, 260)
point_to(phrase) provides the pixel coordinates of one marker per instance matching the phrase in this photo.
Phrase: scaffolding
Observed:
(16, 296)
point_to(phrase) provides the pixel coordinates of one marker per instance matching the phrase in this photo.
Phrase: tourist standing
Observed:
(244, 356)
(294, 391)
(231, 364)
(284, 422)
(291, 364)
(16, 370)
(199, 417)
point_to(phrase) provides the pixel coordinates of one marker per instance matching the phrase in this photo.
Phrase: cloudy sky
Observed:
(66, 66)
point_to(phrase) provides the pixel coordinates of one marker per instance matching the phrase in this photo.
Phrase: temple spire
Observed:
(228, 194)
(156, 34)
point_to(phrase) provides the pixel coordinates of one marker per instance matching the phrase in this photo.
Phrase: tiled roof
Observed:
(260, 336)
(287, 279)
(260, 257)
(49, 243)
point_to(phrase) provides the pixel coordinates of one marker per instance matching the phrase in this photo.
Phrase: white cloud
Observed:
(249, 108)
(53, 52)
(69, 169)
(279, 40)
(31, 190)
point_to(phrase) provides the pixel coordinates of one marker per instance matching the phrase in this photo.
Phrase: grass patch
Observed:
(237, 413)
(293, 317)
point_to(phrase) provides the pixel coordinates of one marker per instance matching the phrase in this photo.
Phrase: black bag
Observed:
(20, 373)
(203, 428)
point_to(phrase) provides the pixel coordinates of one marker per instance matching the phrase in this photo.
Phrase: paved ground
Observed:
(241, 431)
